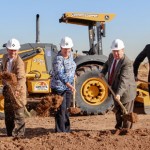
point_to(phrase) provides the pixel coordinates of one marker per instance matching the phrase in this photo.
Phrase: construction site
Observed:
(93, 127)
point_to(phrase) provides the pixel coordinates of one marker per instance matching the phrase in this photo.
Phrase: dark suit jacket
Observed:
(145, 53)
(123, 82)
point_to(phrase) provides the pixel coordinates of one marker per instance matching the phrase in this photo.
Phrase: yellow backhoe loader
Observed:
(92, 92)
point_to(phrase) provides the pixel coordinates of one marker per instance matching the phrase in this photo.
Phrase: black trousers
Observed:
(62, 121)
(14, 120)
(120, 122)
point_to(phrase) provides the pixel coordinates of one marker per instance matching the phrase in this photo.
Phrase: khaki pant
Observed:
(14, 120)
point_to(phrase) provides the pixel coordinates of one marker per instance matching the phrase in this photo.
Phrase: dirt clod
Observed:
(49, 102)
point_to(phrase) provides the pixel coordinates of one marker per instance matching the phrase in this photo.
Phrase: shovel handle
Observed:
(74, 93)
(119, 102)
(143, 81)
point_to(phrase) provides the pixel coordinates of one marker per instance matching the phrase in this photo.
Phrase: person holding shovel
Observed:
(121, 80)
(13, 107)
(62, 83)
(138, 60)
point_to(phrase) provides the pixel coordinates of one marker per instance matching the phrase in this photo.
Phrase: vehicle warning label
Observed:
(41, 86)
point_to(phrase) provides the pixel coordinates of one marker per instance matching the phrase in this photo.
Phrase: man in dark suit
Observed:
(122, 81)
(142, 55)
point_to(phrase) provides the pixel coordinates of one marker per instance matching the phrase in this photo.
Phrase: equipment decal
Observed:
(39, 61)
(41, 86)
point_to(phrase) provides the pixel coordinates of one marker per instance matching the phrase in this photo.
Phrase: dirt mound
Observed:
(88, 132)
(95, 140)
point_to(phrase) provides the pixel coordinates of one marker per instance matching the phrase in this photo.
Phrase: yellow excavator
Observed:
(92, 92)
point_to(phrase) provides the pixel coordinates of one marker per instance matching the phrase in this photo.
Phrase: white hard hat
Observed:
(117, 44)
(66, 42)
(13, 44)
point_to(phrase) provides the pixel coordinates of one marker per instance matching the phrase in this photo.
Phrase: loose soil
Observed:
(94, 132)
(88, 132)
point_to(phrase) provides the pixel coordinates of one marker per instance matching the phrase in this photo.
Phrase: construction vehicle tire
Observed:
(92, 92)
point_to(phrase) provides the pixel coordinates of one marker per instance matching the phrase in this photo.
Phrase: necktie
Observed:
(112, 72)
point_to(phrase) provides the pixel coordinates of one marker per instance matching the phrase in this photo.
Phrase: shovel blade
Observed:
(74, 110)
(33, 113)
(132, 117)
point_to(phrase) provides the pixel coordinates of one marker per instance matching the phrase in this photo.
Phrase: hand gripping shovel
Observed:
(74, 110)
(132, 117)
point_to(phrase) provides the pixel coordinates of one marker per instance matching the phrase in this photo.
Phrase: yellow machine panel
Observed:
(85, 19)
(37, 86)
(143, 96)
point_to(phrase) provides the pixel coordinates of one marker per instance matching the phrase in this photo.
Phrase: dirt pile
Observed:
(89, 140)
(88, 132)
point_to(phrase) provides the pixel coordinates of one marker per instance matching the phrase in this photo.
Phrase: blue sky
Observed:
(131, 24)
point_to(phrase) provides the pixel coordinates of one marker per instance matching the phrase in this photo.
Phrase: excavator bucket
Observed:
(143, 96)
(85, 18)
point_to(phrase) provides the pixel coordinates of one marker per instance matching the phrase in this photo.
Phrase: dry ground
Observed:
(88, 133)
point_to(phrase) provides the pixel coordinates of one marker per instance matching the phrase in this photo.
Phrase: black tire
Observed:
(84, 73)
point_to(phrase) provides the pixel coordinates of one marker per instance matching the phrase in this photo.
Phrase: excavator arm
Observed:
(85, 19)
(91, 20)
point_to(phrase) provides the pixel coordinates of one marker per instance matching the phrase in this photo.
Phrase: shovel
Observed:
(143, 81)
(74, 110)
(132, 117)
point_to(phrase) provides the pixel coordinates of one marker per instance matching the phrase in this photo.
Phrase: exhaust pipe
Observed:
(37, 29)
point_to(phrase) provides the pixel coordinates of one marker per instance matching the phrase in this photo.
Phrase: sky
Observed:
(131, 23)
